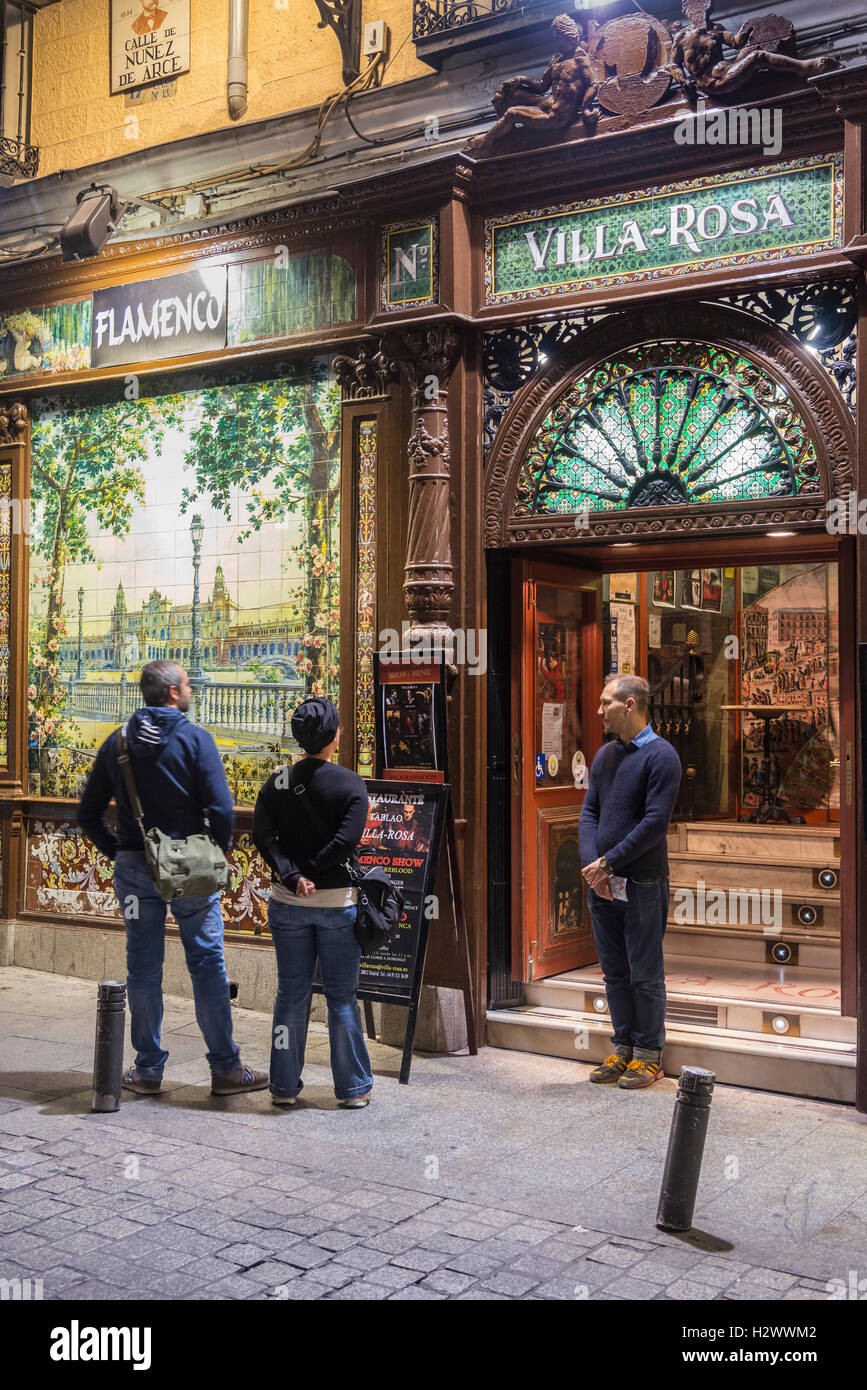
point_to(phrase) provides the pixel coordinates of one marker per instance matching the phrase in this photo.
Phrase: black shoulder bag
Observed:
(380, 902)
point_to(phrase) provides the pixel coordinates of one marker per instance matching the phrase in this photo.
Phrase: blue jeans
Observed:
(629, 944)
(200, 923)
(300, 934)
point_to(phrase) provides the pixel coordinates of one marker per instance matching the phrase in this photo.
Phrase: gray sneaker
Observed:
(142, 1085)
(233, 1083)
(355, 1102)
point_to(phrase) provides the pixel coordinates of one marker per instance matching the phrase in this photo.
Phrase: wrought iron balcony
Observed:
(442, 27)
(17, 160)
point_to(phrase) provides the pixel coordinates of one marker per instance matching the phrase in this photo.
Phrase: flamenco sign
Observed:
(707, 223)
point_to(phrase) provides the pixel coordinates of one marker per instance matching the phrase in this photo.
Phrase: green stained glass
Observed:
(668, 425)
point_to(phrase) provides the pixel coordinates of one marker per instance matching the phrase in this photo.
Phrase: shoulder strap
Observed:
(306, 800)
(126, 768)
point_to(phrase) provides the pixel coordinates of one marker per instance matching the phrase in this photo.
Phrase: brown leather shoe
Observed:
(233, 1083)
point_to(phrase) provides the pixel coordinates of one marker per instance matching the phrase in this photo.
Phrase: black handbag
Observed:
(380, 902)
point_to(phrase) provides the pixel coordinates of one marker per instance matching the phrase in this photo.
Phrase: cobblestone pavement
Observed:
(183, 1197)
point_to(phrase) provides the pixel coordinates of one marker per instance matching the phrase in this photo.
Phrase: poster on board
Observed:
(410, 718)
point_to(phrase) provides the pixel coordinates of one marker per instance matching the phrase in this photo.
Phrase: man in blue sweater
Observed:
(634, 783)
(183, 790)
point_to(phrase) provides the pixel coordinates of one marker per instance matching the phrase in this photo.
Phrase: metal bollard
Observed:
(108, 1048)
(685, 1149)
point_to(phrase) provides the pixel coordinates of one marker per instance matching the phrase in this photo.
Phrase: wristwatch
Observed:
(603, 864)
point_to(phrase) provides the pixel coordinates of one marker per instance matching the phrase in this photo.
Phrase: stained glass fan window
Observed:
(668, 424)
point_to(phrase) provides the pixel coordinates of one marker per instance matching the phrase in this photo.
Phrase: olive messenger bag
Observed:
(380, 902)
(192, 868)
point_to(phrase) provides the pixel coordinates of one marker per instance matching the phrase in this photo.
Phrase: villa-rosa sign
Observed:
(725, 219)
(170, 317)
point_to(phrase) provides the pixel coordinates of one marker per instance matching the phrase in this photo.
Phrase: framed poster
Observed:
(410, 718)
(711, 591)
(149, 42)
(663, 589)
(690, 588)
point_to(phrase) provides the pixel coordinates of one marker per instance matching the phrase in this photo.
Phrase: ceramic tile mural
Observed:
(201, 527)
(55, 339)
(68, 875)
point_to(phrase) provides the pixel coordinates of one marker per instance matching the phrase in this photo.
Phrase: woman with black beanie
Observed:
(308, 822)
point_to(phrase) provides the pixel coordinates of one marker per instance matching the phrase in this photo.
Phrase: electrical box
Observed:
(375, 37)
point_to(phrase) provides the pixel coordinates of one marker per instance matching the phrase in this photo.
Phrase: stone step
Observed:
(793, 1066)
(721, 995)
(738, 871)
(782, 844)
(703, 943)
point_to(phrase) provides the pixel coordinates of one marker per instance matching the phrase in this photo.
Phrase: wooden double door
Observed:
(555, 733)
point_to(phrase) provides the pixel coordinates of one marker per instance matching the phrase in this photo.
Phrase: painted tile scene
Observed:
(201, 527)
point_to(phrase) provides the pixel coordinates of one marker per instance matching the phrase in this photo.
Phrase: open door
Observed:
(556, 681)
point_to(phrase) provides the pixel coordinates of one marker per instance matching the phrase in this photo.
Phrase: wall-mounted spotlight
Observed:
(97, 214)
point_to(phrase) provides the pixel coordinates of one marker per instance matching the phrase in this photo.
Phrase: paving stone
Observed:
(207, 1269)
(363, 1290)
(58, 1183)
(478, 1295)
(769, 1278)
(233, 1286)
(528, 1235)
(627, 1287)
(654, 1271)
(688, 1289)
(337, 1240)
(116, 1228)
(614, 1255)
(541, 1265)
(447, 1281)
(271, 1272)
(362, 1257)
(424, 1260)
(803, 1295)
(470, 1262)
(511, 1283)
(414, 1293)
(10, 1180)
(394, 1242)
(392, 1277)
(246, 1255)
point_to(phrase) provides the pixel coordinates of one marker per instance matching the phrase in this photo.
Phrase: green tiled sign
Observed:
(706, 223)
(409, 265)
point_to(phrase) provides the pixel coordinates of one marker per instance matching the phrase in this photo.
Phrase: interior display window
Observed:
(764, 635)
(200, 527)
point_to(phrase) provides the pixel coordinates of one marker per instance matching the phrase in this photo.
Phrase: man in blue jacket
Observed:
(634, 783)
(180, 783)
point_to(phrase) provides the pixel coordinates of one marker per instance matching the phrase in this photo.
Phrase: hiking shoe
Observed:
(142, 1085)
(283, 1100)
(611, 1069)
(355, 1102)
(234, 1082)
(640, 1073)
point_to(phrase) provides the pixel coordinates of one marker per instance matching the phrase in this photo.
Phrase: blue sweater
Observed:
(625, 816)
(178, 775)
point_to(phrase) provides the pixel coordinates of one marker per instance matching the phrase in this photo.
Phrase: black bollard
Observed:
(685, 1149)
(108, 1049)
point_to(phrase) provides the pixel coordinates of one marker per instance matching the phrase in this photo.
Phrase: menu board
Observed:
(403, 834)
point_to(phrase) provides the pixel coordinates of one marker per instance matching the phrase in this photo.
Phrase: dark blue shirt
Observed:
(628, 806)
(179, 777)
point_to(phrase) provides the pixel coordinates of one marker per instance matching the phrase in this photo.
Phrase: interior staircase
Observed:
(733, 1004)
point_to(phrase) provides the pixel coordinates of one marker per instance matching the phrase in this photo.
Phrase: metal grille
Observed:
(440, 16)
(693, 1012)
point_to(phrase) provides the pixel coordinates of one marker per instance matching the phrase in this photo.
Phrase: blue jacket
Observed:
(178, 775)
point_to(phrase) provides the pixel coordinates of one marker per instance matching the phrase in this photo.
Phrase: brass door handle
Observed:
(516, 766)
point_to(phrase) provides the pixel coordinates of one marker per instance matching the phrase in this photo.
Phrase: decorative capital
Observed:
(427, 357)
(365, 377)
(13, 422)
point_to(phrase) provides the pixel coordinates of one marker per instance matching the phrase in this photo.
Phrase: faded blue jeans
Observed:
(629, 943)
(200, 923)
(300, 934)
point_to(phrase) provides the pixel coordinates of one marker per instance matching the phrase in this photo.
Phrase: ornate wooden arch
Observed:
(775, 352)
